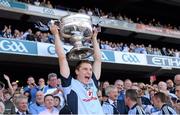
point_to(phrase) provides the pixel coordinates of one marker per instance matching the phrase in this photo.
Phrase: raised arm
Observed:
(63, 64)
(97, 56)
(9, 83)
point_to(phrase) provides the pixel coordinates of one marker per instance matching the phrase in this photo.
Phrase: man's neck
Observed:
(161, 105)
(22, 111)
(50, 109)
(132, 104)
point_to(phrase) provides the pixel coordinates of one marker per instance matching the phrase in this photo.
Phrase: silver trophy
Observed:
(76, 29)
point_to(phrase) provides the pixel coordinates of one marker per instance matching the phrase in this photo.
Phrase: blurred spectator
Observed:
(170, 86)
(22, 105)
(162, 86)
(38, 106)
(36, 2)
(57, 102)
(8, 102)
(119, 84)
(99, 94)
(177, 79)
(41, 84)
(11, 89)
(49, 106)
(131, 98)
(178, 91)
(110, 106)
(53, 88)
(43, 3)
(49, 5)
(159, 101)
(31, 88)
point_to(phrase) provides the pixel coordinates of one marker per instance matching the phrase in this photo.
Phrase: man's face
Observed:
(49, 102)
(53, 81)
(84, 73)
(30, 80)
(119, 85)
(39, 97)
(7, 96)
(14, 85)
(113, 94)
(177, 80)
(127, 100)
(56, 102)
(105, 84)
(127, 84)
(23, 104)
(162, 86)
(170, 83)
(155, 101)
(178, 91)
(41, 82)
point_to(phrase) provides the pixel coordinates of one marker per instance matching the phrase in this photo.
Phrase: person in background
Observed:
(31, 88)
(160, 101)
(57, 102)
(49, 106)
(22, 105)
(177, 79)
(53, 88)
(41, 84)
(170, 86)
(38, 106)
(110, 106)
(131, 98)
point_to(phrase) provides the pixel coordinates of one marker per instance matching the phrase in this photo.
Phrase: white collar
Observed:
(111, 101)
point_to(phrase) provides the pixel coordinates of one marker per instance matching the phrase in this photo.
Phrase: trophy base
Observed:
(78, 53)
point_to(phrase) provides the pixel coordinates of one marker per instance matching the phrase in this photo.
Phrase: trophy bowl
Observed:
(76, 29)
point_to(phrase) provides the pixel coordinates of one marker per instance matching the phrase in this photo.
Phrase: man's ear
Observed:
(76, 71)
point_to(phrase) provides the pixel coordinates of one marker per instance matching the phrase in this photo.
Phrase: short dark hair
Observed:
(57, 97)
(162, 96)
(81, 62)
(47, 96)
(132, 94)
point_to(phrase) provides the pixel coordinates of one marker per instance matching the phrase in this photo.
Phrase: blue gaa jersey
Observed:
(167, 110)
(136, 110)
(82, 99)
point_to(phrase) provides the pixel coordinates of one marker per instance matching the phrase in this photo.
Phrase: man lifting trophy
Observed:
(80, 90)
(76, 29)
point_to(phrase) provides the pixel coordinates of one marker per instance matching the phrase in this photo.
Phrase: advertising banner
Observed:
(163, 61)
(18, 47)
(130, 58)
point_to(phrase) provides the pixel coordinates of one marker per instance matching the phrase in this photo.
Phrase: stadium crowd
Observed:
(84, 94)
(47, 37)
(47, 94)
(105, 14)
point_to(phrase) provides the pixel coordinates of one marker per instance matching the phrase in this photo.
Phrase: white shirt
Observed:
(47, 112)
